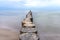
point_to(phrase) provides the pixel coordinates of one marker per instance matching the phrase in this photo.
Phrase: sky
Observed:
(29, 4)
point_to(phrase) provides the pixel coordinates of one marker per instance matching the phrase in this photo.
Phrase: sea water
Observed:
(47, 23)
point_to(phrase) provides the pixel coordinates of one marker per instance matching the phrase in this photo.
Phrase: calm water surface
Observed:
(48, 24)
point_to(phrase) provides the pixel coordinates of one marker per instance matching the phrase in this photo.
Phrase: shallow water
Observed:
(47, 24)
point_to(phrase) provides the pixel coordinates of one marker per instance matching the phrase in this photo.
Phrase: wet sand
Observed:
(8, 35)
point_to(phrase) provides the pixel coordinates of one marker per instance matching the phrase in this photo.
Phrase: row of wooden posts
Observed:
(28, 30)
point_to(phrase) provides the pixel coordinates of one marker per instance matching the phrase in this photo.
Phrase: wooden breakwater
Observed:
(28, 30)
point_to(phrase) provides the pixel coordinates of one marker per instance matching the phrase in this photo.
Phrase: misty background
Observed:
(46, 16)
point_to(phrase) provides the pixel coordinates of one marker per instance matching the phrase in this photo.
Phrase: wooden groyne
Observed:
(28, 30)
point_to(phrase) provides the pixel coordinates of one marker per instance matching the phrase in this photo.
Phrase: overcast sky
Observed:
(16, 7)
(29, 4)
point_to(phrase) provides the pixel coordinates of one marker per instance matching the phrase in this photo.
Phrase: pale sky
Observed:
(21, 4)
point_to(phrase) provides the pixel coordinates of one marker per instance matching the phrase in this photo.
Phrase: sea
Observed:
(47, 23)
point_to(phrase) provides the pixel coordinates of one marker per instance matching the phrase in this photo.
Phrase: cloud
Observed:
(28, 3)
(10, 3)
(11, 0)
(41, 3)
(35, 3)
(55, 2)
